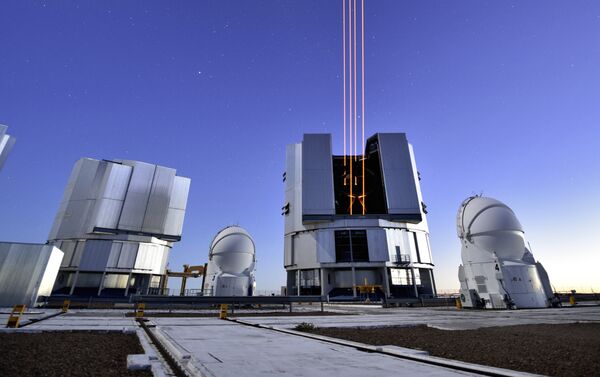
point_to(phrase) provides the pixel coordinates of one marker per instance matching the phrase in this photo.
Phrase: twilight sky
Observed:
(497, 97)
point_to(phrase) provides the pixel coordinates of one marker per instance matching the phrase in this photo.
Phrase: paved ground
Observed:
(222, 348)
(441, 318)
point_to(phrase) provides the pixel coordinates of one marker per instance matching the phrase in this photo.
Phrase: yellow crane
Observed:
(188, 272)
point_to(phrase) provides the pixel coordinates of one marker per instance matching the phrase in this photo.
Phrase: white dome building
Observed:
(498, 270)
(231, 263)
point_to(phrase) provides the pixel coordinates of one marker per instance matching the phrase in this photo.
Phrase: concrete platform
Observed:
(227, 349)
(441, 318)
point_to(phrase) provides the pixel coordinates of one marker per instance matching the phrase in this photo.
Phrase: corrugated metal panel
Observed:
(423, 244)
(115, 253)
(409, 246)
(325, 246)
(72, 220)
(128, 255)
(158, 202)
(165, 257)
(378, 247)
(317, 177)
(149, 258)
(22, 271)
(399, 177)
(75, 219)
(68, 248)
(4, 248)
(77, 254)
(6, 144)
(50, 272)
(136, 200)
(179, 192)
(111, 196)
(95, 255)
(85, 178)
(173, 223)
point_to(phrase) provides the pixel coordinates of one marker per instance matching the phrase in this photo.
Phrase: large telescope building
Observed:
(337, 242)
(116, 225)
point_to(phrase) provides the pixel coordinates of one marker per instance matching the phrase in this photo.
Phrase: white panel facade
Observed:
(305, 246)
(325, 246)
(378, 247)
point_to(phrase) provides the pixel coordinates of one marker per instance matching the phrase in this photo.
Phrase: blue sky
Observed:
(499, 98)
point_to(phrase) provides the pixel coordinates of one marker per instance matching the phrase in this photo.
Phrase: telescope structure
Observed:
(231, 264)
(498, 270)
(116, 225)
(6, 144)
(348, 235)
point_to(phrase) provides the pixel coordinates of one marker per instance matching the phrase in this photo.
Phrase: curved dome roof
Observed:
(479, 214)
(232, 239)
(491, 225)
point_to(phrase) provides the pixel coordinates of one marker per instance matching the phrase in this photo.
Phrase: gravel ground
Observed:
(77, 353)
(554, 350)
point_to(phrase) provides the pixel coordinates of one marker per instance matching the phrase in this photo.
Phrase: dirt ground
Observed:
(554, 350)
(80, 353)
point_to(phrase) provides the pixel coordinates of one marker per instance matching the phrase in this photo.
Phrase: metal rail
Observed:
(36, 320)
(215, 300)
(176, 368)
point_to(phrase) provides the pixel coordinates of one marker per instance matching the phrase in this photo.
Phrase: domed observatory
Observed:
(231, 262)
(498, 270)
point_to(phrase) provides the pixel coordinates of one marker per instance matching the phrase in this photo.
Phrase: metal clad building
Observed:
(6, 144)
(27, 271)
(330, 246)
(116, 223)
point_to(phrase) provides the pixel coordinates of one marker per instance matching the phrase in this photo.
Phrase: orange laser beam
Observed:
(344, 69)
(362, 97)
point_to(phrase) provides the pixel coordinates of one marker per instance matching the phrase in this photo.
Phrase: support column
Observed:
(74, 283)
(127, 285)
(322, 277)
(101, 283)
(412, 272)
(386, 283)
(297, 283)
(353, 281)
(432, 282)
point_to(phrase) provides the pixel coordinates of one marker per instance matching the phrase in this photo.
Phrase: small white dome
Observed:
(491, 225)
(232, 250)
